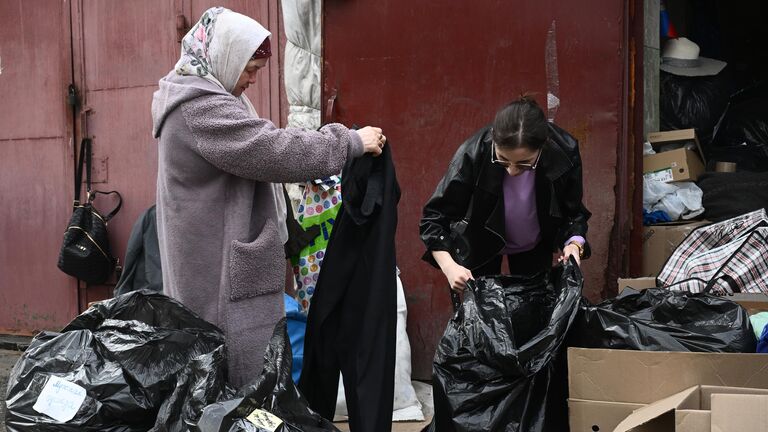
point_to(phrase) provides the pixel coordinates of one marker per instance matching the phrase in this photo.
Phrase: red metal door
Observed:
(114, 52)
(122, 50)
(36, 165)
(431, 73)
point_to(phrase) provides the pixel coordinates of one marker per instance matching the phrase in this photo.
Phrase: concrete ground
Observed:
(7, 360)
(424, 393)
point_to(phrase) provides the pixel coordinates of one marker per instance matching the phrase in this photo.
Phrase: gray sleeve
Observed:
(231, 139)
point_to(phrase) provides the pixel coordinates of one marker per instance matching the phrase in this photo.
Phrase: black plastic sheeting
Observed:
(662, 320)
(145, 361)
(501, 362)
(742, 135)
(273, 391)
(693, 102)
(728, 195)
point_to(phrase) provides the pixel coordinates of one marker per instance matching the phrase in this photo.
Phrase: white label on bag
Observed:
(264, 420)
(664, 175)
(60, 399)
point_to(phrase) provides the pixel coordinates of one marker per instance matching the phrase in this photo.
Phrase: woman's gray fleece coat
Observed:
(216, 216)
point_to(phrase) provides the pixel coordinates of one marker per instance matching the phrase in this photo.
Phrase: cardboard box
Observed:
(673, 166)
(674, 161)
(604, 384)
(659, 241)
(743, 413)
(698, 409)
(637, 283)
(590, 416)
(666, 140)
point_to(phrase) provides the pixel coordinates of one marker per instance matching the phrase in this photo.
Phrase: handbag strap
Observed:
(84, 160)
(114, 211)
(85, 163)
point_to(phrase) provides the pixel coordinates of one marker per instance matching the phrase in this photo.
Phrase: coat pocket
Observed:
(256, 268)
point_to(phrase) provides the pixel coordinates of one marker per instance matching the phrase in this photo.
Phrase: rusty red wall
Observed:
(35, 165)
(115, 52)
(431, 73)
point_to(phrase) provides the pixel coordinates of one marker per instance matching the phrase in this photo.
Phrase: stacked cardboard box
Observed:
(674, 162)
(607, 386)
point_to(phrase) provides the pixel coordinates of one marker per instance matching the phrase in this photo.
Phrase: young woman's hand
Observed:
(458, 277)
(571, 250)
(373, 139)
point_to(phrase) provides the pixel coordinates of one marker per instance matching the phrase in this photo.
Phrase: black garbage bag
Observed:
(658, 319)
(692, 102)
(500, 365)
(728, 195)
(271, 399)
(128, 355)
(742, 135)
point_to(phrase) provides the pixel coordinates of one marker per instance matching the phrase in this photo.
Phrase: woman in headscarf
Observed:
(220, 209)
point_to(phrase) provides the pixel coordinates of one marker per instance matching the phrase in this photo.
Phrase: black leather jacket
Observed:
(471, 177)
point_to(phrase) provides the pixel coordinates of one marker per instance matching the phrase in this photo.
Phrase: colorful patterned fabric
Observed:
(319, 206)
(726, 257)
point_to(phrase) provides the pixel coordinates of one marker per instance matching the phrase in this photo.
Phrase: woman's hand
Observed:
(458, 277)
(571, 250)
(373, 139)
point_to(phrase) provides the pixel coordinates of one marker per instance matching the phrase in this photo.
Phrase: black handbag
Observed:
(85, 253)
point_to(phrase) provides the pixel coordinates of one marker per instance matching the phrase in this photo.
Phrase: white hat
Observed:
(681, 57)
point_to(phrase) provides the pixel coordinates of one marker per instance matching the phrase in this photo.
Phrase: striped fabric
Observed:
(726, 257)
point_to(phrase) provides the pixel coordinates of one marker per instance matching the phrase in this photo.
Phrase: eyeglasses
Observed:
(519, 165)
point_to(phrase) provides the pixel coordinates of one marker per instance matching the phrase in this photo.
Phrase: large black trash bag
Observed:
(692, 102)
(742, 135)
(129, 354)
(201, 383)
(728, 195)
(658, 319)
(500, 364)
(273, 392)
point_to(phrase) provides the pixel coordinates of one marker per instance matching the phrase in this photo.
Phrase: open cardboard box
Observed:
(677, 164)
(606, 386)
(702, 409)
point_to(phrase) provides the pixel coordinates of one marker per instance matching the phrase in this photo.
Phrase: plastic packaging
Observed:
(677, 200)
(692, 102)
(742, 135)
(661, 320)
(133, 357)
(501, 362)
(270, 399)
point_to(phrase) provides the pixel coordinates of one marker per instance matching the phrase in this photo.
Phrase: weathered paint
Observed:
(115, 52)
(431, 73)
(35, 166)
(120, 75)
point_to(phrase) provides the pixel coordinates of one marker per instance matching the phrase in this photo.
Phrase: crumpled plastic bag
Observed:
(658, 319)
(501, 362)
(678, 200)
(135, 356)
(742, 134)
(270, 403)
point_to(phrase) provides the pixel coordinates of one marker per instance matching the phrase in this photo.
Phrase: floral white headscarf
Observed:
(219, 46)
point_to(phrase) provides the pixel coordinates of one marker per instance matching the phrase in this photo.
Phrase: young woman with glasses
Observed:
(514, 188)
